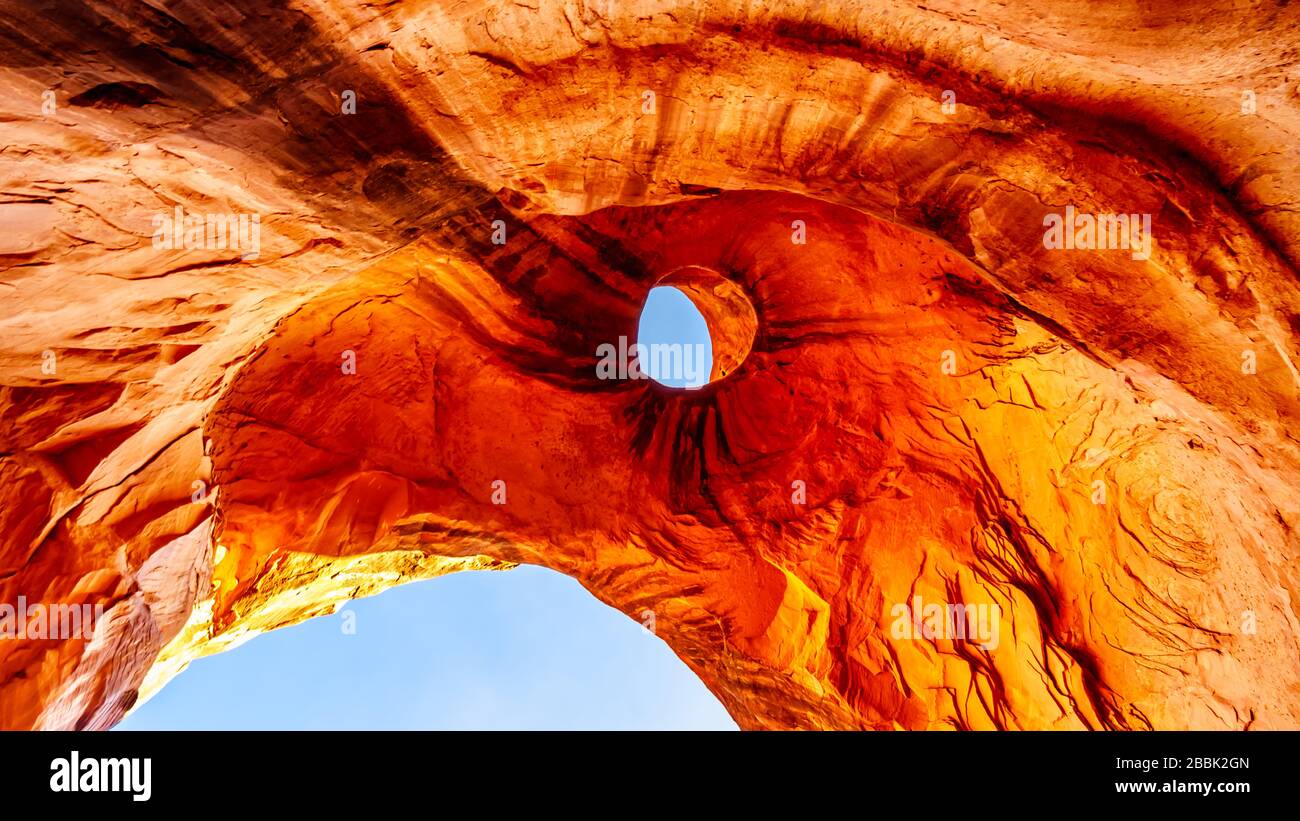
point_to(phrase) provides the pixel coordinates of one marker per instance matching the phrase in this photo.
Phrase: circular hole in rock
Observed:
(696, 327)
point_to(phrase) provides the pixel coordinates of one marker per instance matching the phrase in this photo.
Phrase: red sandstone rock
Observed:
(927, 405)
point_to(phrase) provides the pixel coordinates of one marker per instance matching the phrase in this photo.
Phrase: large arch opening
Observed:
(527, 649)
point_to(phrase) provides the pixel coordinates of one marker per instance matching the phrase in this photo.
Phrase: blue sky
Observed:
(520, 649)
(523, 649)
(670, 317)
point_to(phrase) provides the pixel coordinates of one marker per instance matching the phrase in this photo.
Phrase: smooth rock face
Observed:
(213, 428)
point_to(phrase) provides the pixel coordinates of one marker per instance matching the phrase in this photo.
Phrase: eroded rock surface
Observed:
(458, 203)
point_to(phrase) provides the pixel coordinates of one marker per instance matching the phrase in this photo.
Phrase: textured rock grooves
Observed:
(934, 405)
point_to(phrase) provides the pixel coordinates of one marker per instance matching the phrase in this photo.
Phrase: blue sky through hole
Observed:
(522, 649)
(669, 317)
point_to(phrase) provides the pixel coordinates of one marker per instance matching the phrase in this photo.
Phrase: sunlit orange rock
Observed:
(918, 403)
